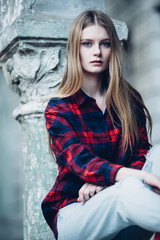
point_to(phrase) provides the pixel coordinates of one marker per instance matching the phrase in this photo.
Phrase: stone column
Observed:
(32, 55)
(33, 72)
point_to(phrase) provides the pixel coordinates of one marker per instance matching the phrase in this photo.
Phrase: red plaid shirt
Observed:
(87, 148)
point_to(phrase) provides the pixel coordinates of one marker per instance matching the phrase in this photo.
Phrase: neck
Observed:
(91, 85)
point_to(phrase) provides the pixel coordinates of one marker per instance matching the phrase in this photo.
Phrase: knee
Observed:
(130, 187)
(154, 153)
(153, 157)
(131, 181)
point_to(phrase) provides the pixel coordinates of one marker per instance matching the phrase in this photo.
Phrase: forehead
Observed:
(94, 31)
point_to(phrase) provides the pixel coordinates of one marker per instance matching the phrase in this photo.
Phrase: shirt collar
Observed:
(80, 97)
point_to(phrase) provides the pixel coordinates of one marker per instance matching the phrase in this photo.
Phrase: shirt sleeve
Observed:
(76, 156)
(141, 150)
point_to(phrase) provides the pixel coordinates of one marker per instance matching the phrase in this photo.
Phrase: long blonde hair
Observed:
(120, 95)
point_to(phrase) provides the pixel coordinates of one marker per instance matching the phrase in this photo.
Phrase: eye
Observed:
(86, 44)
(106, 44)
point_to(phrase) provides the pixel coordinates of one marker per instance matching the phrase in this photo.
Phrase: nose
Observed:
(96, 50)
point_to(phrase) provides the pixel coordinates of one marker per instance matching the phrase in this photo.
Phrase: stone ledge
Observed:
(46, 27)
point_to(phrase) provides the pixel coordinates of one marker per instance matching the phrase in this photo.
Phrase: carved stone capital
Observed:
(33, 71)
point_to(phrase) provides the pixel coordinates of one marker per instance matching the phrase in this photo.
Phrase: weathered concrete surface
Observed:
(39, 175)
(33, 39)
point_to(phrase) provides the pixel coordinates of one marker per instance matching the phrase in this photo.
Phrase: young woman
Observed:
(97, 128)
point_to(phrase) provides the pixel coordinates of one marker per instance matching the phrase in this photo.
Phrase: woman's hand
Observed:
(153, 181)
(150, 179)
(87, 191)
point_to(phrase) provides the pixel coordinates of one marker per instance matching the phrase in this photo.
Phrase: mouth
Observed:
(97, 61)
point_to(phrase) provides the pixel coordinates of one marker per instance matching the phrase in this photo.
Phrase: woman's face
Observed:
(95, 49)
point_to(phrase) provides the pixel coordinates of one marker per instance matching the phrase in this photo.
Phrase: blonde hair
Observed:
(120, 95)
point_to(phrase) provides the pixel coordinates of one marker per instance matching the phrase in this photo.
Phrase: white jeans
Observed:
(129, 202)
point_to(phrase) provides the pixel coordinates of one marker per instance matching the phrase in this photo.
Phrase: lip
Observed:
(97, 62)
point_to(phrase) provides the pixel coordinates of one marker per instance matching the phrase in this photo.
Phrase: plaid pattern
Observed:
(157, 236)
(87, 148)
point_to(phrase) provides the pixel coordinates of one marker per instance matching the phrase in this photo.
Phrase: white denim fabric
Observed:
(128, 202)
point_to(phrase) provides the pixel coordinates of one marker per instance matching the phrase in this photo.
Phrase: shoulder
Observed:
(58, 105)
(57, 111)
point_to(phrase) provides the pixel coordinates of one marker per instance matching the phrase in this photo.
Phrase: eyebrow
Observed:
(87, 39)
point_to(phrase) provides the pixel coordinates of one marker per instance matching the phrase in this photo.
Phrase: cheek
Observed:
(82, 54)
(83, 57)
(108, 54)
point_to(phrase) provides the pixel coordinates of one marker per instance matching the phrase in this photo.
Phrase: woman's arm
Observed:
(148, 177)
(70, 152)
(89, 190)
(134, 168)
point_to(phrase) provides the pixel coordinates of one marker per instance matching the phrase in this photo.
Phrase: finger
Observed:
(99, 188)
(92, 190)
(81, 193)
(156, 190)
(154, 182)
(86, 193)
(80, 201)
